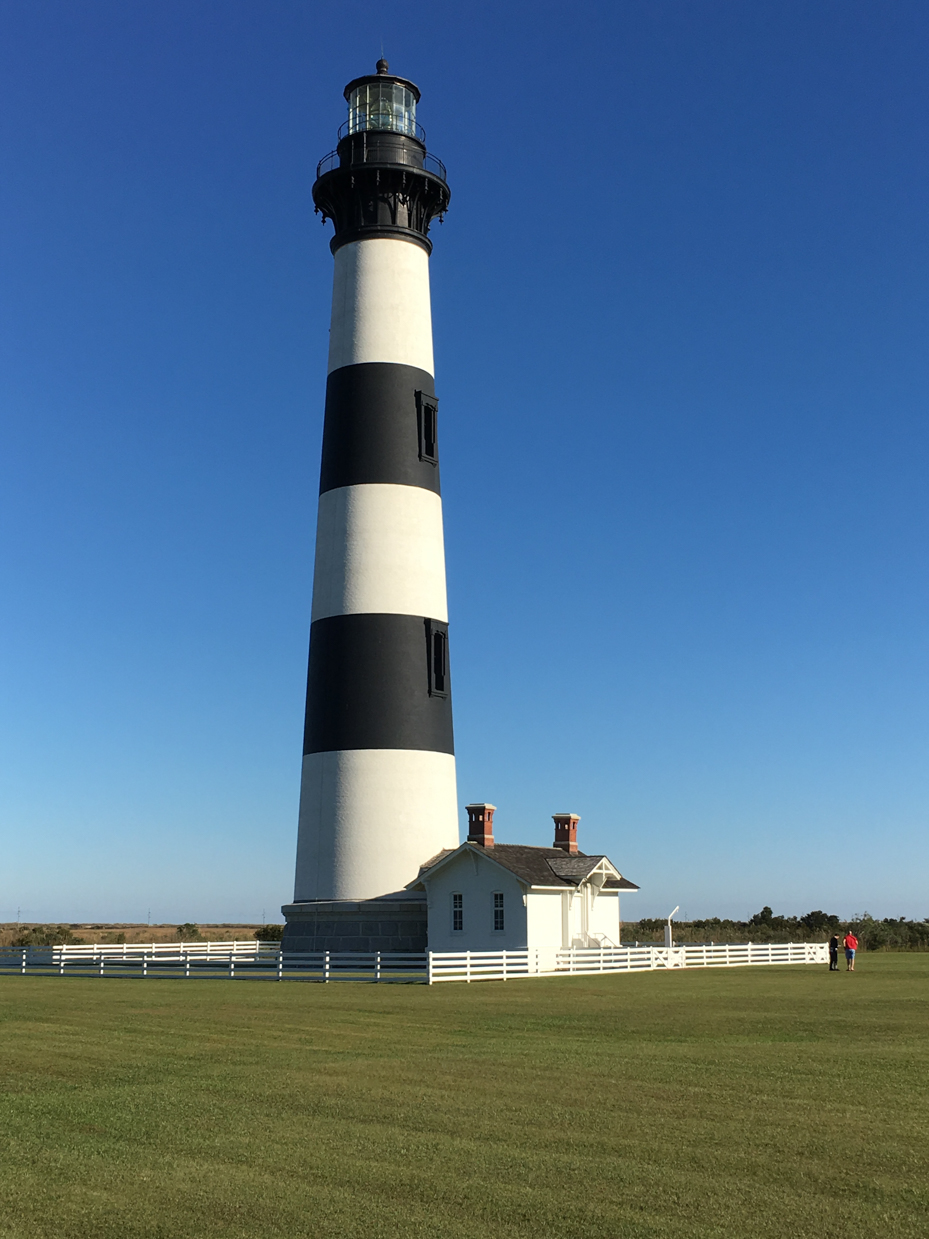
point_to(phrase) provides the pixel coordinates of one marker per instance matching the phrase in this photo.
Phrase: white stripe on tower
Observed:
(381, 309)
(379, 547)
(370, 817)
(378, 794)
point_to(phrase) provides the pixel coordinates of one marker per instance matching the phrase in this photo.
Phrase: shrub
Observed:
(889, 934)
(270, 933)
(188, 932)
(46, 935)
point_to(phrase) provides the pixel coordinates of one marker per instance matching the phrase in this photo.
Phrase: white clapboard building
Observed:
(488, 896)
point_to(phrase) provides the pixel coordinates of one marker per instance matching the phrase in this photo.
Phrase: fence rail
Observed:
(176, 960)
(504, 965)
(265, 961)
(247, 948)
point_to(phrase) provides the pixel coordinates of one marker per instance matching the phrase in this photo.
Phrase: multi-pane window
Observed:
(427, 419)
(457, 913)
(498, 912)
(382, 105)
(437, 657)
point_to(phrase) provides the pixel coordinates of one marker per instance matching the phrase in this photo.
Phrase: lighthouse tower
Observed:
(378, 795)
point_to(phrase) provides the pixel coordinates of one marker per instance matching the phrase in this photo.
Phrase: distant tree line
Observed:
(889, 934)
(63, 935)
(46, 935)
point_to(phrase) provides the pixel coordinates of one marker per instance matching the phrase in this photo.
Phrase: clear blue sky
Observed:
(680, 303)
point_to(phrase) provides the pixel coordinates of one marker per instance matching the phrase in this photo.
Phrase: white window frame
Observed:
(499, 906)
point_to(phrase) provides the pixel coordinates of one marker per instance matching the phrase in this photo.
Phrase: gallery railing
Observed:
(365, 154)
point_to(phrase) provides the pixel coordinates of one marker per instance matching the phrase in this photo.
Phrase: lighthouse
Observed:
(378, 795)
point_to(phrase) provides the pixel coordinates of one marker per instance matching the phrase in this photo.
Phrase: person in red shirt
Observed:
(851, 946)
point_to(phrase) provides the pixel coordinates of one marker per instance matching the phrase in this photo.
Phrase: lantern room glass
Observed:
(382, 105)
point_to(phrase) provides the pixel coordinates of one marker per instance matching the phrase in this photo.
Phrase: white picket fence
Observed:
(265, 960)
(508, 965)
(256, 961)
(248, 948)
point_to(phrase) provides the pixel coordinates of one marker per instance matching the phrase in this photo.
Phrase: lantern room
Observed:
(382, 103)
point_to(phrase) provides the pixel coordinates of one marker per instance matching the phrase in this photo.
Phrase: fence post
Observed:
(280, 966)
(102, 962)
(467, 966)
(377, 965)
(428, 967)
(144, 965)
(24, 960)
(186, 965)
(61, 964)
(504, 964)
(326, 967)
(231, 967)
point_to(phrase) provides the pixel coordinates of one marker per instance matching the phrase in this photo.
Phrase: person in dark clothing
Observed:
(834, 953)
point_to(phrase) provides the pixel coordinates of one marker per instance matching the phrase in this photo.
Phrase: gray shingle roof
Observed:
(574, 867)
(540, 866)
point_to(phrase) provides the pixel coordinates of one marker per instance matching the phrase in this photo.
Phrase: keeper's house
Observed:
(487, 896)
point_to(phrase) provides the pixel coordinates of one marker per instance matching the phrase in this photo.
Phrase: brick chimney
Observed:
(565, 831)
(481, 824)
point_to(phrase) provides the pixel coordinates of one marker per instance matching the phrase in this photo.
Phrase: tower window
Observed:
(427, 418)
(437, 657)
(457, 913)
(498, 912)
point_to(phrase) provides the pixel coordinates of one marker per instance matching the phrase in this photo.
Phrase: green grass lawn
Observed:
(754, 1102)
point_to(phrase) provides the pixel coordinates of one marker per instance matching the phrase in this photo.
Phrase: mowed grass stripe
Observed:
(746, 1102)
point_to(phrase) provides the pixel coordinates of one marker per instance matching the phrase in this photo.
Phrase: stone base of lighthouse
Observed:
(394, 922)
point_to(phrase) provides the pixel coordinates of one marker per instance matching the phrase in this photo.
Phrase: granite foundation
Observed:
(383, 924)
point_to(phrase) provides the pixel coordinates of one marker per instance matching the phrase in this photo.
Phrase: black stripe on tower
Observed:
(377, 427)
(378, 682)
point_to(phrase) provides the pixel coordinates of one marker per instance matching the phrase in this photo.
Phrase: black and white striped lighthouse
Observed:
(378, 794)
